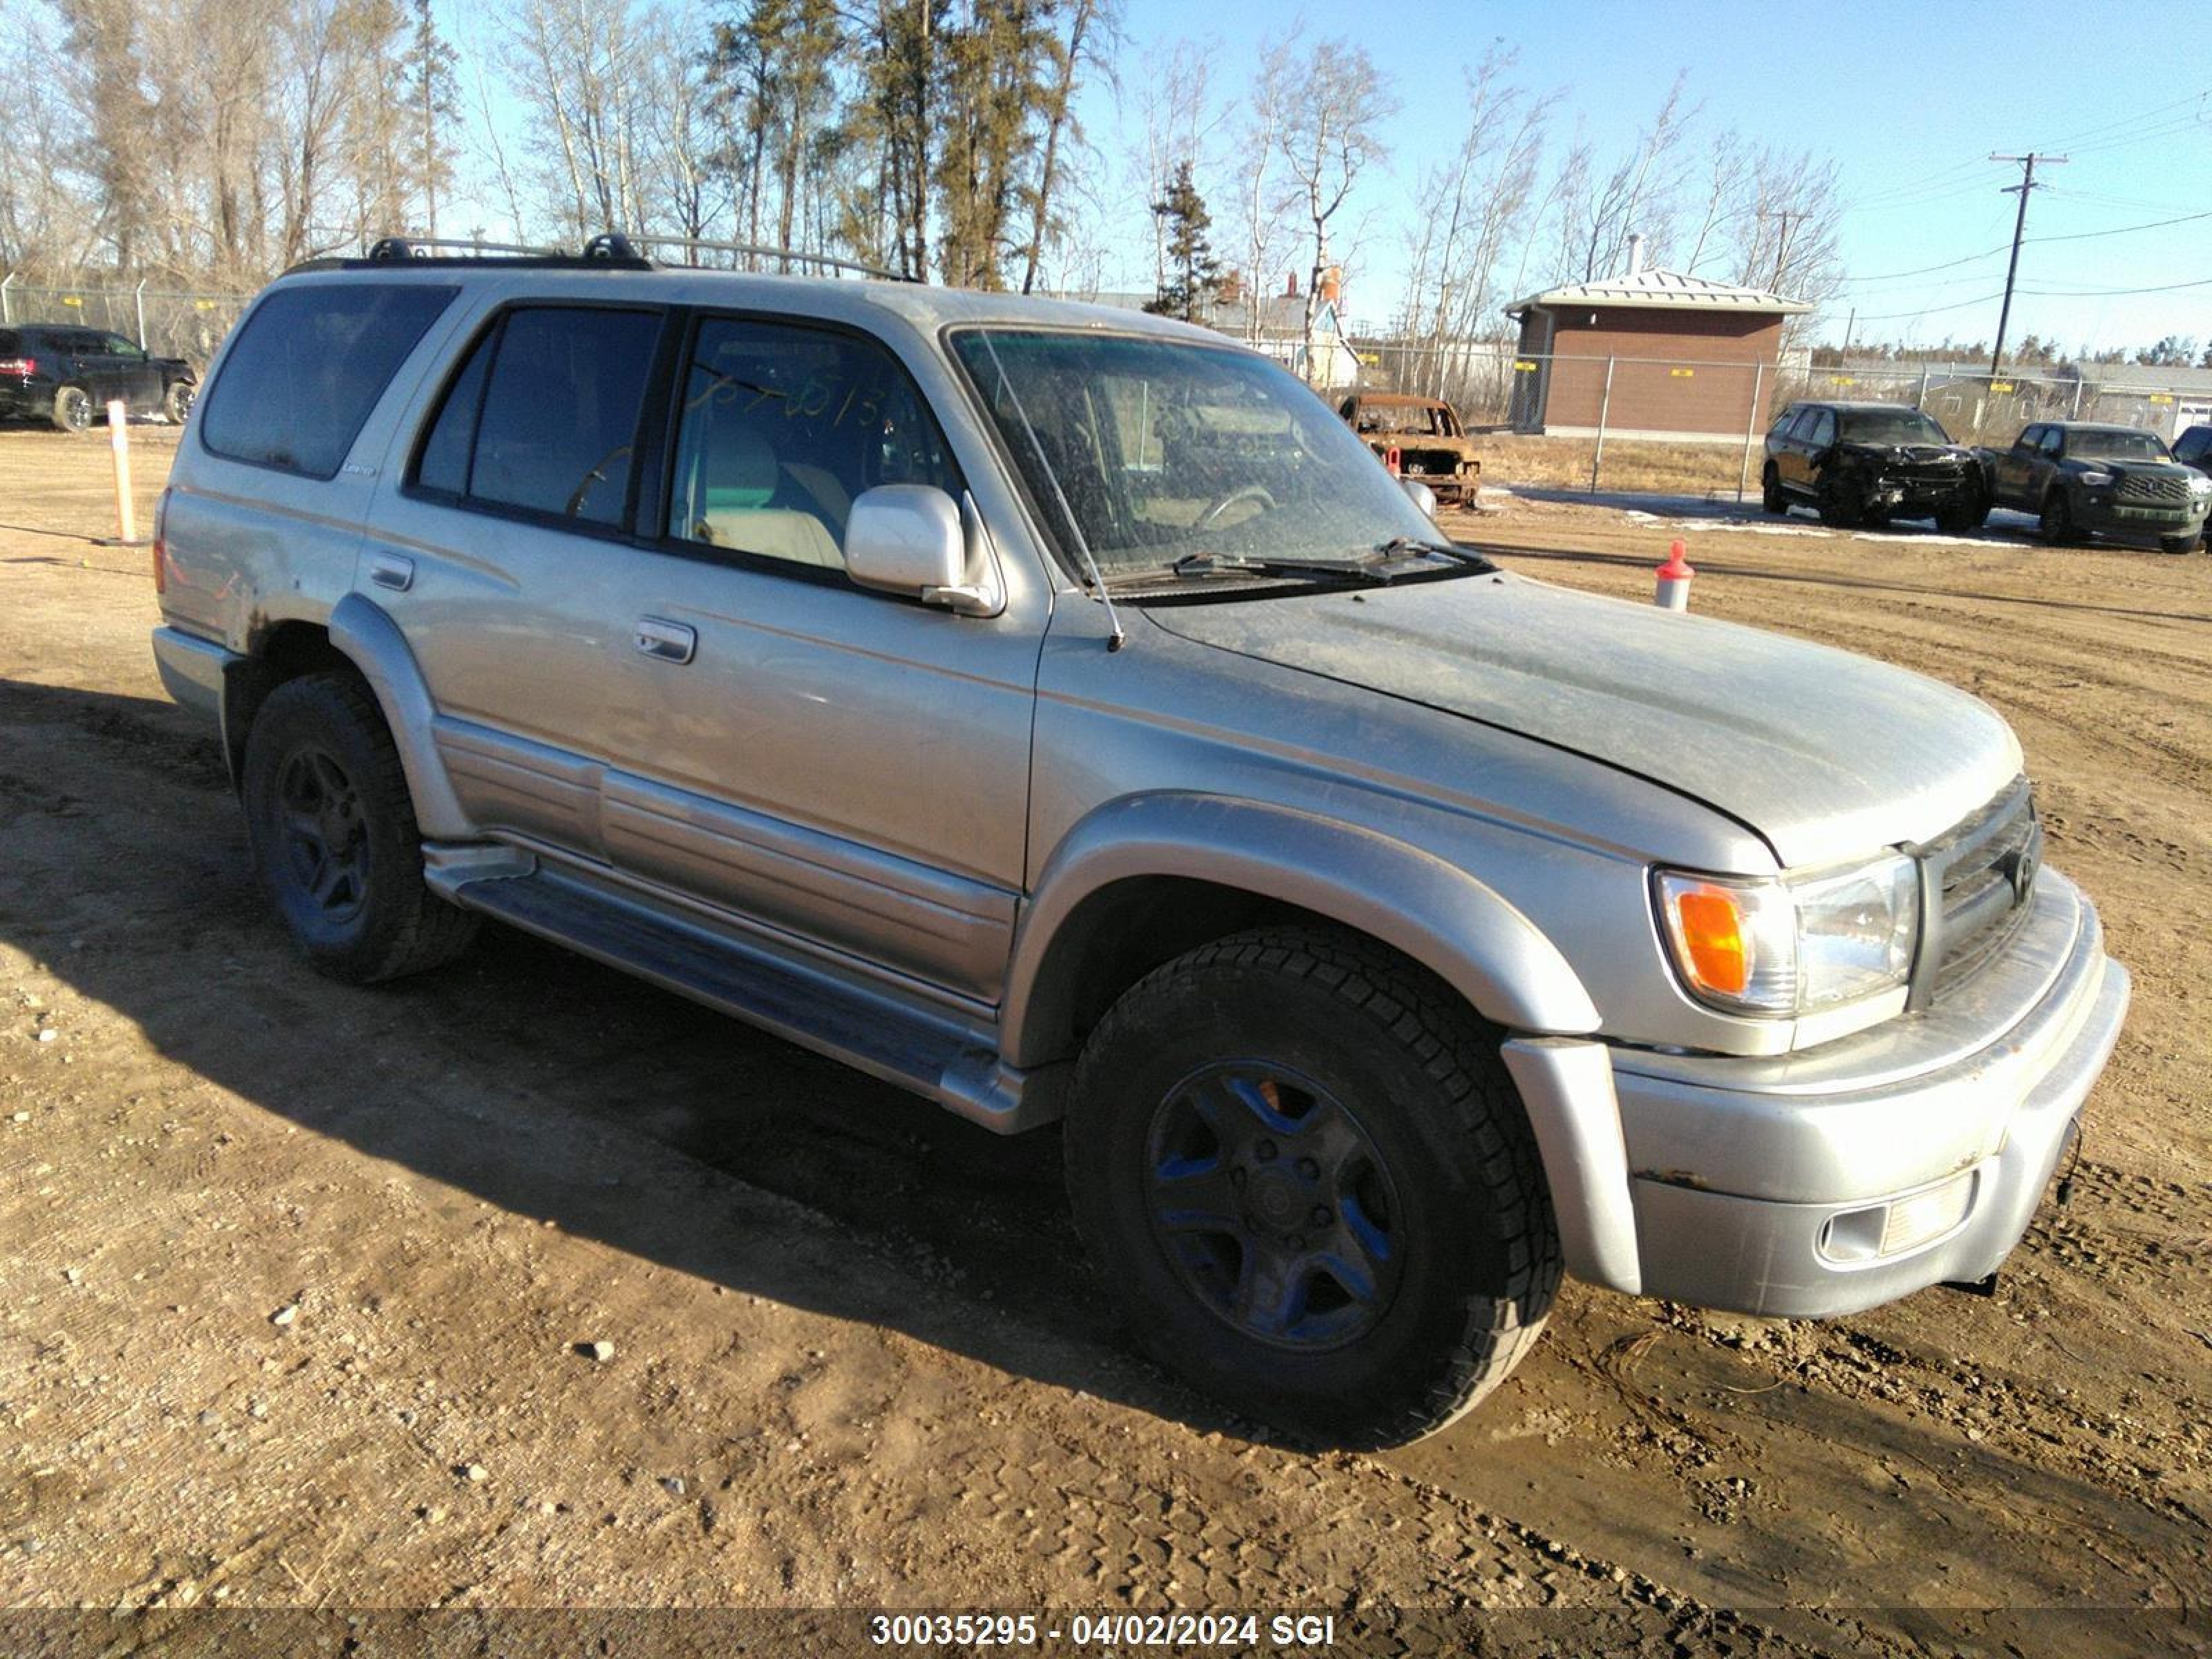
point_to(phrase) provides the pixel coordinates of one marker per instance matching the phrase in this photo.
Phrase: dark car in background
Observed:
(67, 374)
(1866, 463)
(2083, 479)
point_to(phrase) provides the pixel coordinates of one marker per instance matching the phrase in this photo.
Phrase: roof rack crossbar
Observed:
(756, 251)
(419, 247)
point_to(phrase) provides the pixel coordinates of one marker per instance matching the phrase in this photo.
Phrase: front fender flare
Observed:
(368, 637)
(1430, 909)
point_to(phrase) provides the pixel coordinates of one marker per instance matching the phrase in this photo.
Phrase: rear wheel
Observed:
(2057, 522)
(1299, 1165)
(177, 402)
(334, 837)
(73, 409)
(1770, 490)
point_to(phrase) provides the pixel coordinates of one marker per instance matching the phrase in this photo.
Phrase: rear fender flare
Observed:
(372, 641)
(1403, 897)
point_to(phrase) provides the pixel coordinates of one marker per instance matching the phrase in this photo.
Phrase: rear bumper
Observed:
(192, 671)
(1786, 1186)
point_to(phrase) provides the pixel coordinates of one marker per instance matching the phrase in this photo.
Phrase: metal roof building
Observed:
(1649, 353)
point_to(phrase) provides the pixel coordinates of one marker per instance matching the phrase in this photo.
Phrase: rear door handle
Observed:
(390, 570)
(665, 641)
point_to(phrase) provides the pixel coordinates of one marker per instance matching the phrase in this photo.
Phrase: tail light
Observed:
(160, 552)
(19, 368)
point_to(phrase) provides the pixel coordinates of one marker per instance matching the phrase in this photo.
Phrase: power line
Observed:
(2069, 236)
(2018, 227)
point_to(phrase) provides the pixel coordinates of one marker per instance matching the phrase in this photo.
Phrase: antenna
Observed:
(1081, 546)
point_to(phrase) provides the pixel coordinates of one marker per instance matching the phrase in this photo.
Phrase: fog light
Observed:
(1887, 1229)
(1924, 1216)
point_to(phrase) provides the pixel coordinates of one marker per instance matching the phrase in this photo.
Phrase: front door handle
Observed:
(390, 570)
(665, 641)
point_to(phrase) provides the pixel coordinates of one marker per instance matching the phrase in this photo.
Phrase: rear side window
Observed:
(543, 413)
(310, 363)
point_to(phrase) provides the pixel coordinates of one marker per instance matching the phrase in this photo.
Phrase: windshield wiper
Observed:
(1211, 564)
(1401, 544)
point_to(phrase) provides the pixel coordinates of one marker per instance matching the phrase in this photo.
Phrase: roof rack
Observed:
(790, 255)
(610, 249)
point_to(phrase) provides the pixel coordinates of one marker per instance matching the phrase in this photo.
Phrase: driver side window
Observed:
(782, 427)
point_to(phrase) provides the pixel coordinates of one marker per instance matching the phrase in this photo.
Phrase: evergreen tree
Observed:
(1194, 280)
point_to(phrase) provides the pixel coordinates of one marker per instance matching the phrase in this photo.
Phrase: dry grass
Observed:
(1672, 469)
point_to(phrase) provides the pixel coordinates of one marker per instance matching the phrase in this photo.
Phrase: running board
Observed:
(901, 1040)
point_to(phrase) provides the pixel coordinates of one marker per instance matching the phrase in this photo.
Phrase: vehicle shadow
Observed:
(510, 1074)
(1707, 565)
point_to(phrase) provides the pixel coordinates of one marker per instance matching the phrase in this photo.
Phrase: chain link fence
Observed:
(1696, 426)
(168, 322)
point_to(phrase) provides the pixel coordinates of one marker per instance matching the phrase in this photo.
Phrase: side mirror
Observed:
(909, 539)
(1420, 495)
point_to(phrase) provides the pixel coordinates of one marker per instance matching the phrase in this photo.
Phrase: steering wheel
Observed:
(1243, 493)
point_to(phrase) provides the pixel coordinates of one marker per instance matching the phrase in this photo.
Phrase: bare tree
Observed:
(1468, 210)
(1265, 190)
(1179, 119)
(1335, 103)
(1093, 34)
(1640, 194)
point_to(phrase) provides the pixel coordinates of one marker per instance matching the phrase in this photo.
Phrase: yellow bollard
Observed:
(118, 443)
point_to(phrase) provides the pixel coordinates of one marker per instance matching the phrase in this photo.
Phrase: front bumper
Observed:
(2101, 515)
(1766, 1186)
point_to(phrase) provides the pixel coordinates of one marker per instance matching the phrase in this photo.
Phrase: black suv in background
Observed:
(60, 373)
(1866, 463)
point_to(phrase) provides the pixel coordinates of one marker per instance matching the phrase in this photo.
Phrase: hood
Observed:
(1824, 753)
(2132, 469)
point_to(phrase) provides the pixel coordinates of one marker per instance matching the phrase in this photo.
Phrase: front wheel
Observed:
(1299, 1165)
(1963, 513)
(334, 838)
(2179, 543)
(1771, 498)
(1841, 507)
(2057, 520)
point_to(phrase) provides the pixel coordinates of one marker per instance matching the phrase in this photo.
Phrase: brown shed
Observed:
(1652, 354)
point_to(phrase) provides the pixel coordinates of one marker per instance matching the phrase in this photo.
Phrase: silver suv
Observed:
(1055, 711)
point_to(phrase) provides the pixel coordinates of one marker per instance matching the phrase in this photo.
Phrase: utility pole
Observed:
(2019, 226)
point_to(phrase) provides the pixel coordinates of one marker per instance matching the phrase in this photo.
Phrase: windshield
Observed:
(1153, 450)
(1891, 426)
(1426, 420)
(2114, 446)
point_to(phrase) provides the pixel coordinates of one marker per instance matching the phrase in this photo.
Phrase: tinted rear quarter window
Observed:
(543, 416)
(307, 367)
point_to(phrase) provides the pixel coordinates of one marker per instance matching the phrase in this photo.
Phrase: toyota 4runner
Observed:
(1056, 712)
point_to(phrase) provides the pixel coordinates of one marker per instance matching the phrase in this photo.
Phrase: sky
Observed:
(1910, 98)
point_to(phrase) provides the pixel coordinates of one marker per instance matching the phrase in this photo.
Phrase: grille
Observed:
(2165, 492)
(1978, 878)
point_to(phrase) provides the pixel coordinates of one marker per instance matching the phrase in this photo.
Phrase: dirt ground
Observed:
(293, 1278)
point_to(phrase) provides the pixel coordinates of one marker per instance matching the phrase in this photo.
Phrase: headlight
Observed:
(2096, 480)
(2200, 485)
(1790, 945)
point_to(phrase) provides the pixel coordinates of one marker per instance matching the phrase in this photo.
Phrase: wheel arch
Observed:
(1145, 878)
(360, 637)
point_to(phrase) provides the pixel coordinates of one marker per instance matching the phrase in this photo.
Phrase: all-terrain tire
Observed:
(1771, 498)
(2179, 543)
(1471, 1253)
(2056, 521)
(335, 842)
(72, 409)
